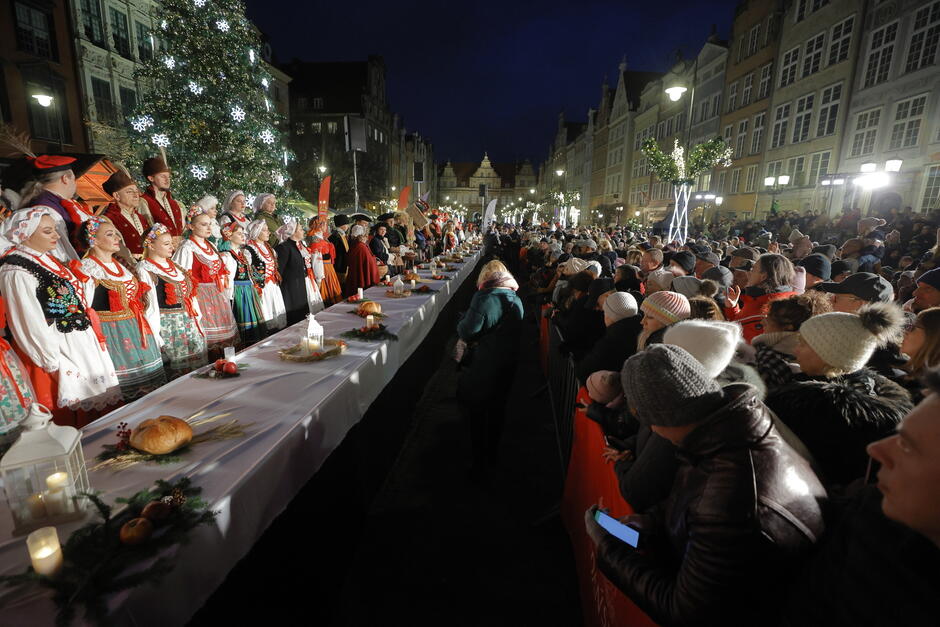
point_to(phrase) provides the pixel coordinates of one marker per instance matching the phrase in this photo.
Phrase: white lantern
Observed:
(43, 473)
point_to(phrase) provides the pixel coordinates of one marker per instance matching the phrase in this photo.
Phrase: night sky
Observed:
(491, 75)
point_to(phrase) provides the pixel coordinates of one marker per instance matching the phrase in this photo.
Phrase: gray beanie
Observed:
(620, 305)
(668, 387)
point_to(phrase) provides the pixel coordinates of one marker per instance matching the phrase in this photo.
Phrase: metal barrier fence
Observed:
(563, 391)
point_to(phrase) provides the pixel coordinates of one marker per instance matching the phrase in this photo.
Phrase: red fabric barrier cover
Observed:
(591, 480)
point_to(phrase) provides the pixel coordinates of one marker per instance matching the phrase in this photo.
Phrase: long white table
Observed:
(297, 413)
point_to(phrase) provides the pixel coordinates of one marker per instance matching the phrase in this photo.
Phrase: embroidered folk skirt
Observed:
(139, 370)
(16, 392)
(330, 288)
(273, 311)
(184, 347)
(217, 321)
(247, 310)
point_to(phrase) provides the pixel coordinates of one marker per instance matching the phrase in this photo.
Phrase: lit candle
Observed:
(359, 293)
(36, 506)
(412, 283)
(229, 352)
(44, 551)
(370, 321)
(387, 279)
(56, 498)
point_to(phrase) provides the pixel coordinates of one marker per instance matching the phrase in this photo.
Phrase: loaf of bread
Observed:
(159, 436)
(370, 307)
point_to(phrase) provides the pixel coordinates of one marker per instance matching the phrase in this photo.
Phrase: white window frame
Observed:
(747, 90)
(766, 75)
(880, 54)
(812, 54)
(911, 123)
(802, 118)
(735, 181)
(865, 135)
(840, 40)
(926, 28)
(930, 197)
(757, 132)
(778, 135)
(829, 103)
(818, 166)
(750, 179)
(788, 66)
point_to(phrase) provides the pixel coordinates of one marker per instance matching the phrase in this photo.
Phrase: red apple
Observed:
(220, 364)
(230, 368)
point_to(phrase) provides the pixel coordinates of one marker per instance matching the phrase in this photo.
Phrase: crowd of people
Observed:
(770, 400)
(103, 306)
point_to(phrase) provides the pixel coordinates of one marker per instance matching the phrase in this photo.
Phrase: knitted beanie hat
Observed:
(711, 342)
(667, 386)
(620, 305)
(594, 266)
(603, 386)
(667, 307)
(685, 260)
(846, 341)
(688, 286)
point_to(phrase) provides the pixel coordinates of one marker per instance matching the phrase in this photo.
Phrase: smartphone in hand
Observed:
(623, 532)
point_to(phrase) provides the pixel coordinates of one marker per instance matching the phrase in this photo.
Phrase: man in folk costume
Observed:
(163, 208)
(123, 212)
(53, 185)
(362, 269)
(341, 244)
(395, 242)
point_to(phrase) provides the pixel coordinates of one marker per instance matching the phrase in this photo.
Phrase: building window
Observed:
(727, 134)
(753, 40)
(763, 88)
(748, 88)
(812, 55)
(128, 101)
(34, 31)
(781, 120)
(795, 170)
(92, 22)
(721, 182)
(661, 130)
(301, 103)
(840, 40)
(669, 127)
(318, 103)
(104, 102)
(829, 110)
(639, 167)
(735, 180)
(741, 140)
(716, 104)
(733, 96)
(925, 39)
(788, 66)
(774, 168)
(48, 123)
(931, 198)
(757, 135)
(908, 115)
(750, 179)
(804, 114)
(331, 128)
(119, 33)
(144, 42)
(866, 130)
(818, 165)
(299, 128)
(879, 57)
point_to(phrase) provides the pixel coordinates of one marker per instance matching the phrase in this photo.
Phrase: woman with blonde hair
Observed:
(489, 268)
(922, 346)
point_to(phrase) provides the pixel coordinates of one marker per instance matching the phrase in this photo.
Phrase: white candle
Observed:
(56, 498)
(412, 283)
(229, 352)
(370, 321)
(387, 279)
(36, 506)
(359, 293)
(44, 551)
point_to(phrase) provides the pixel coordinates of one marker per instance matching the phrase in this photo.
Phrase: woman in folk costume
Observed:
(450, 237)
(211, 205)
(362, 269)
(264, 260)
(201, 259)
(117, 296)
(172, 308)
(233, 210)
(330, 289)
(299, 270)
(16, 392)
(55, 332)
(245, 287)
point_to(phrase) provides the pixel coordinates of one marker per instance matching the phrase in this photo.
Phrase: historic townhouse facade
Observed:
(458, 184)
(598, 126)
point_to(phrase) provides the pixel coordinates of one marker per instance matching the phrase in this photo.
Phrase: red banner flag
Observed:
(324, 203)
(403, 197)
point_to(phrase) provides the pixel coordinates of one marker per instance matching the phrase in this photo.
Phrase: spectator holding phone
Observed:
(742, 508)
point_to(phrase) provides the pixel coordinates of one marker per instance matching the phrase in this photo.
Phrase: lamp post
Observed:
(679, 224)
(775, 183)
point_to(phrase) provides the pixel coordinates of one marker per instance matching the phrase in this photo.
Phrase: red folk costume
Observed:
(207, 269)
(363, 271)
(170, 215)
(330, 289)
(133, 238)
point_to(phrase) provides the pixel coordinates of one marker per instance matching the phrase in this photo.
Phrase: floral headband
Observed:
(91, 227)
(155, 231)
(229, 229)
(194, 212)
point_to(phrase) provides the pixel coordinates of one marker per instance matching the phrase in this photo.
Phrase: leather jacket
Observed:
(744, 506)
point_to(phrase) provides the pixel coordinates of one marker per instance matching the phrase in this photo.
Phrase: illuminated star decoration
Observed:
(161, 140)
(222, 25)
(267, 136)
(199, 172)
(238, 114)
(170, 63)
(142, 123)
(264, 83)
(196, 89)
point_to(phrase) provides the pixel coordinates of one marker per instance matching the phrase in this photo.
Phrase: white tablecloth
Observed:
(298, 414)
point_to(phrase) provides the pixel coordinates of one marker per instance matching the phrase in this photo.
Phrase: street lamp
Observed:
(675, 92)
(394, 188)
(559, 172)
(44, 100)
(322, 169)
(775, 183)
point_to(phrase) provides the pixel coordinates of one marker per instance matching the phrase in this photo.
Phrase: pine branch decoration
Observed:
(680, 169)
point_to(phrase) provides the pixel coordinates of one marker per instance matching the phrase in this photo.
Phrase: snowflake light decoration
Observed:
(198, 171)
(169, 62)
(199, 3)
(264, 83)
(142, 123)
(250, 200)
(161, 140)
(196, 89)
(279, 179)
(222, 25)
(267, 136)
(251, 55)
(164, 25)
(238, 114)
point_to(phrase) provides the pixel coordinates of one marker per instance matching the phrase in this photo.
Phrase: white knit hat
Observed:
(573, 266)
(711, 342)
(595, 266)
(620, 305)
(846, 341)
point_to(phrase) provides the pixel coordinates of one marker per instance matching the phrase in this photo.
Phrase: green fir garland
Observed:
(680, 169)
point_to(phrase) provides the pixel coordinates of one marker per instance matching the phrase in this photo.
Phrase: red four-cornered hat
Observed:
(51, 163)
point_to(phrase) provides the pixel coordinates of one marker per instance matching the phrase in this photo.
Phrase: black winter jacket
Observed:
(615, 347)
(837, 418)
(744, 507)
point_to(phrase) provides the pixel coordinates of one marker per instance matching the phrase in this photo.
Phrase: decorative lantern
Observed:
(43, 473)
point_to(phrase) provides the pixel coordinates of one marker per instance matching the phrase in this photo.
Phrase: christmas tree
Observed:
(210, 107)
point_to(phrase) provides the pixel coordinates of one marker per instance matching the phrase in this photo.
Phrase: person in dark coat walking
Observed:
(743, 509)
(490, 329)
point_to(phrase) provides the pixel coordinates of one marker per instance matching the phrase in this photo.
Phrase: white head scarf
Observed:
(287, 229)
(357, 230)
(227, 205)
(254, 228)
(23, 223)
(260, 200)
(208, 202)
